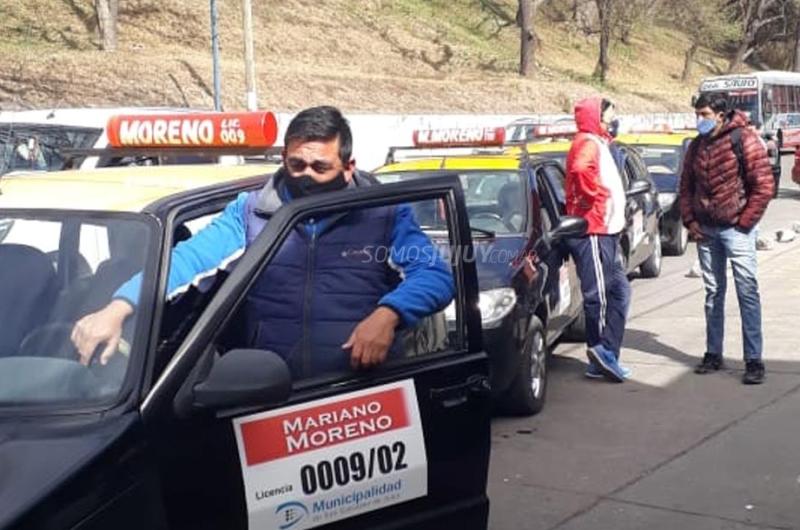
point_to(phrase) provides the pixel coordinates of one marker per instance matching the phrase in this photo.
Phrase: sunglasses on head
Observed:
(298, 165)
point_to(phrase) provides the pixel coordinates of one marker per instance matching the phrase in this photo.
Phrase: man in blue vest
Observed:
(328, 300)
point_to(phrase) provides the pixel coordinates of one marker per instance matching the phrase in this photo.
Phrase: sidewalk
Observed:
(667, 449)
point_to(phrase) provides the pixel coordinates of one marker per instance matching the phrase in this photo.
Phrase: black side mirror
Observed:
(639, 187)
(244, 378)
(568, 226)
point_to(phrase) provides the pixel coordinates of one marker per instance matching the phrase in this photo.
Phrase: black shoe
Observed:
(753, 373)
(710, 363)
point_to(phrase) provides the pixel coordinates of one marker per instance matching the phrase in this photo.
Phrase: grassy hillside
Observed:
(363, 55)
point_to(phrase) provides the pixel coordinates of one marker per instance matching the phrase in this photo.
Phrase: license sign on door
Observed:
(319, 462)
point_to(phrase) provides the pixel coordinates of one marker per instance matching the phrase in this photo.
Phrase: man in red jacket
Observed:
(594, 191)
(725, 188)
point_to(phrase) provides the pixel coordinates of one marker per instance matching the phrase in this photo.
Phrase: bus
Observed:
(770, 98)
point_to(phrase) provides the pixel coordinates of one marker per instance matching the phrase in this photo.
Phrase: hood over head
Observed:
(588, 114)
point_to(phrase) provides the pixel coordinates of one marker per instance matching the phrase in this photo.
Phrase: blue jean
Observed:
(720, 245)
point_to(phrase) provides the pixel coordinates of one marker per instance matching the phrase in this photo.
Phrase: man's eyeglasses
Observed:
(298, 165)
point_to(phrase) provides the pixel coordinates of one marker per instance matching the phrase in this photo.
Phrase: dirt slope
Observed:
(368, 56)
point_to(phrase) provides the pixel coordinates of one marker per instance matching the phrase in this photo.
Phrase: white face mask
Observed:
(608, 115)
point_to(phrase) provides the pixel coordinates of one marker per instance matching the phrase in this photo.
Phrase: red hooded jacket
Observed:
(593, 186)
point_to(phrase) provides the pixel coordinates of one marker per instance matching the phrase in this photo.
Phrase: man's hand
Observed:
(695, 234)
(103, 327)
(370, 341)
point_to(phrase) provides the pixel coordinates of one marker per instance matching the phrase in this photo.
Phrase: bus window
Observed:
(745, 101)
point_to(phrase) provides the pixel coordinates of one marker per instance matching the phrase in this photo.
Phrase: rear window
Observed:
(34, 147)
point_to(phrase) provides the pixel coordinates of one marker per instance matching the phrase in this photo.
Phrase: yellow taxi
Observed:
(663, 154)
(529, 293)
(135, 433)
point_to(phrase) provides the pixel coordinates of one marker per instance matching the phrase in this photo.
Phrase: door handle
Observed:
(458, 394)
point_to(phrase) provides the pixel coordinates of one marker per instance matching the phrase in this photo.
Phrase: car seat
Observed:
(27, 289)
(92, 293)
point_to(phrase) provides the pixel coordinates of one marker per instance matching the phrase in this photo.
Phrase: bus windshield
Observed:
(747, 102)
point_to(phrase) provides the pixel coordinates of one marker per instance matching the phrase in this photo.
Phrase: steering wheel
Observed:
(495, 217)
(50, 340)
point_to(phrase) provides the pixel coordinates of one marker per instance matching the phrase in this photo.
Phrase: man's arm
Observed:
(758, 180)
(210, 250)
(686, 187)
(213, 248)
(427, 285)
(585, 171)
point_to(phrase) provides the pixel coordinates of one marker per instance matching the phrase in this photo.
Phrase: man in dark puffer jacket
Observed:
(722, 198)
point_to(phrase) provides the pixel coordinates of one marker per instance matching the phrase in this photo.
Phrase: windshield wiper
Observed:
(482, 231)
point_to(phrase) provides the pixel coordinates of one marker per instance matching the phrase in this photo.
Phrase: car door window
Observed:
(629, 173)
(557, 183)
(332, 273)
(181, 312)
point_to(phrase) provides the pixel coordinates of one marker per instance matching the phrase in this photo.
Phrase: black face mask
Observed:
(305, 185)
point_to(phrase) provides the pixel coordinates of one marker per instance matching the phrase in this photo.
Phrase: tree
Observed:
(796, 54)
(605, 11)
(526, 37)
(526, 9)
(106, 11)
(528, 40)
(761, 22)
(708, 24)
(634, 13)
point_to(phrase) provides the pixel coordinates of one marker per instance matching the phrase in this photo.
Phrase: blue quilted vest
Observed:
(307, 302)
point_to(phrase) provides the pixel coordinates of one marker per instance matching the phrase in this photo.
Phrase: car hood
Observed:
(496, 259)
(35, 459)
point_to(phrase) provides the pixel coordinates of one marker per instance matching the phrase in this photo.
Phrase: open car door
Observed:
(242, 443)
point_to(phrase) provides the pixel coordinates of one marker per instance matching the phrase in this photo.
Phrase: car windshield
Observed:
(520, 132)
(495, 201)
(33, 147)
(55, 268)
(664, 164)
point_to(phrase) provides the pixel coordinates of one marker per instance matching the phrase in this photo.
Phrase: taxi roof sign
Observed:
(195, 129)
(559, 129)
(460, 137)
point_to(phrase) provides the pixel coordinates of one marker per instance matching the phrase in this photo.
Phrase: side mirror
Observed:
(244, 378)
(638, 187)
(568, 226)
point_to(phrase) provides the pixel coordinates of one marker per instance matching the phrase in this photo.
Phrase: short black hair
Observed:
(716, 102)
(321, 124)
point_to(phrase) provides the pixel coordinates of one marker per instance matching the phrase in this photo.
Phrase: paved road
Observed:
(667, 449)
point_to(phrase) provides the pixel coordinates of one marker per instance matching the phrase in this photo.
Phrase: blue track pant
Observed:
(605, 288)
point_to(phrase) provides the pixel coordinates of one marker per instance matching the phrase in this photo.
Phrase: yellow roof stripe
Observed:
(124, 189)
